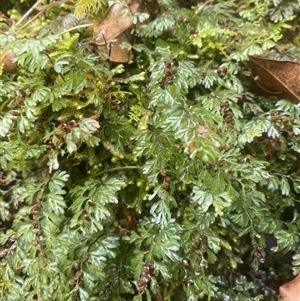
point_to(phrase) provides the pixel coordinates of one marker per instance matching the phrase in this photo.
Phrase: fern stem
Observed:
(115, 169)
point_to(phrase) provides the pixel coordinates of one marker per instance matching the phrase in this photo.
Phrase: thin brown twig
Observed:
(41, 10)
(31, 20)
(201, 7)
(158, 295)
(79, 26)
(52, 4)
(28, 12)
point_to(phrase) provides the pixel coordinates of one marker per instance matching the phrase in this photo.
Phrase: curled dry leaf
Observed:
(277, 77)
(115, 28)
(290, 291)
(118, 20)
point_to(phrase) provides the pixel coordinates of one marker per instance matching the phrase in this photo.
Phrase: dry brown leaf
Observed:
(117, 21)
(290, 291)
(277, 77)
(119, 54)
(116, 27)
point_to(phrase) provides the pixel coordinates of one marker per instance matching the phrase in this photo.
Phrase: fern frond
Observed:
(85, 8)
(136, 113)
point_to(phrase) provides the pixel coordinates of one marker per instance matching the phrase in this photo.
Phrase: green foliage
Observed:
(83, 8)
(160, 179)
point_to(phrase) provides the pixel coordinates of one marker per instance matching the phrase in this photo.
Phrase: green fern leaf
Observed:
(85, 8)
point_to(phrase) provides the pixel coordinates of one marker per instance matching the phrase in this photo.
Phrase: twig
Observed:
(28, 12)
(31, 20)
(41, 10)
(53, 4)
(158, 295)
(79, 26)
(201, 7)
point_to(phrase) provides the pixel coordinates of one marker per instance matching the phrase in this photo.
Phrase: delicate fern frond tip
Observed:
(84, 8)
